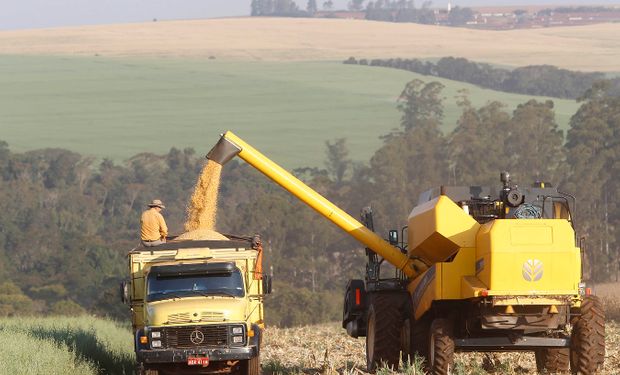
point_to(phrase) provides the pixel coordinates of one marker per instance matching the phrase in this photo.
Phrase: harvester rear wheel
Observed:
(587, 351)
(552, 360)
(440, 359)
(385, 320)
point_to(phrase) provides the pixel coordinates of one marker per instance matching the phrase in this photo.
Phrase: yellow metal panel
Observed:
(471, 287)
(453, 272)
(529, 235)
(528, 257)
(438, 228)
(424, 290)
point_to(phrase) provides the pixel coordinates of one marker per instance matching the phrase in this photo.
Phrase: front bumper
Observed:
(181, 355)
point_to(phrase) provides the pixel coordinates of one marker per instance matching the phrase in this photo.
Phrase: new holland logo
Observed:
(532, 270)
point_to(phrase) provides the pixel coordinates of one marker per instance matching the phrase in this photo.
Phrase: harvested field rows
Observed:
(88, 345)
(326, 349)
(591, 47)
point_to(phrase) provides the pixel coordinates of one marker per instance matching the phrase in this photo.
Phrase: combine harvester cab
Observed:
(197, 306)
(483, 269)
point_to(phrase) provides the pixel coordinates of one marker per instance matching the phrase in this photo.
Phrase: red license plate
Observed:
(198, 361)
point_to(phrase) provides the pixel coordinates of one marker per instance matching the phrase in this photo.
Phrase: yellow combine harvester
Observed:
(483, 269)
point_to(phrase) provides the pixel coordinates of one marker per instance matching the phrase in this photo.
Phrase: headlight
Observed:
(237, 339)
(156, 344)
(155, 334)
(237, 330)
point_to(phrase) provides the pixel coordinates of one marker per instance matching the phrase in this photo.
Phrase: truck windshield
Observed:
(161, 287)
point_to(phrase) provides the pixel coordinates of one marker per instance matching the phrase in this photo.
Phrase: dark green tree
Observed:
(477, 151)
(534, 143)
(412, 160)
(311, 6)
(338, 161)
(592, 152)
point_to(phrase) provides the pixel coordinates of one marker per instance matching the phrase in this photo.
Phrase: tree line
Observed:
(539, 80)
(379, 10)
(68, 220)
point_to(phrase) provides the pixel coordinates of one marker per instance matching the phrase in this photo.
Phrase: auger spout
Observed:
(230, 145)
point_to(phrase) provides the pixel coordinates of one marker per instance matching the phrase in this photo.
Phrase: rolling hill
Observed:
(591, 48)
(118, 107)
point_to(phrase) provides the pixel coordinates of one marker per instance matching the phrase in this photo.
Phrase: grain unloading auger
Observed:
(483, 269)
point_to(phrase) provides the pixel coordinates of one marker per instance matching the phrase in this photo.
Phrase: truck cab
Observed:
(197, 306)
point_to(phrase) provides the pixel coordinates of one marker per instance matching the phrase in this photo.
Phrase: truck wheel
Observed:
(552, 360)
(385, 320)
(251, 366)
(587, 347)
(141, 370)
(440, 359)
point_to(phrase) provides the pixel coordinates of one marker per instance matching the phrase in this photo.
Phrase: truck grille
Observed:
(205, 316)
(180, 337)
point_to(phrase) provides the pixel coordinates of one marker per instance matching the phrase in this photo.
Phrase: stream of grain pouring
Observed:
(202, 208)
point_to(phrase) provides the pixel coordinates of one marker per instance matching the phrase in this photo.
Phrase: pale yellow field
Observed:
(594, 47)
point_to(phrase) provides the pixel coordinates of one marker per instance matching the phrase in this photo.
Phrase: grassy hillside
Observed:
(594, 47)
(119, 107)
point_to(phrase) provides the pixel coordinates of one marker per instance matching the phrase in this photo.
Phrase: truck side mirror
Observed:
(266, 284)
(393, 237)
(124, 289)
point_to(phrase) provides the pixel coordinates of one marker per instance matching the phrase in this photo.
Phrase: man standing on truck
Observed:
(153, 229)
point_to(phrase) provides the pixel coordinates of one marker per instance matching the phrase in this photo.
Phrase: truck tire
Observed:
(440, 359)
(552, 360)
(251, 366)
(141, 370)
(385, 320)
(587, 347)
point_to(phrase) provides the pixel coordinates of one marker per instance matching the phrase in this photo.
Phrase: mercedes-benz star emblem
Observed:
(197, 337)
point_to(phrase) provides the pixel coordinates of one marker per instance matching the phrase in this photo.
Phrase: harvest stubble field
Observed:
(593, 47)
(87, 345)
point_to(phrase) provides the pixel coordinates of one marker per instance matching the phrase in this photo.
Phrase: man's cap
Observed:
(156, 203)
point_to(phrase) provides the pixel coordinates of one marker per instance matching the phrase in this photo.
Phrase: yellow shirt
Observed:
(153, 225)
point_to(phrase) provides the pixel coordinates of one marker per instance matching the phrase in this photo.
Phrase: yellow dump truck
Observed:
(482, 269)
(197, 306)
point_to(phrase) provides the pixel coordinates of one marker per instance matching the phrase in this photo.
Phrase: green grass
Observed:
(117, 108)
(65, 346)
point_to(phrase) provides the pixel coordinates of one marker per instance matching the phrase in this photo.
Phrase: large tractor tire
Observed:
(406, 349)
(383, 335)
(552, 360)
(419, 337)
(440, 358)
(587, 347)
